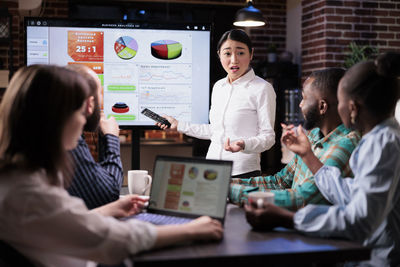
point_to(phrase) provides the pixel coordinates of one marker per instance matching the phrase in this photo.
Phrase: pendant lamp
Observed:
(249, 16)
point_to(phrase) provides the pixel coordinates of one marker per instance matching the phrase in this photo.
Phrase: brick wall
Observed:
(274, 11)
(51, 8)
(4, 47)
(329, 26)
(275, 32)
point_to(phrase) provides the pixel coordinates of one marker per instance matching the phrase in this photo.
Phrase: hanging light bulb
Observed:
(249, 16)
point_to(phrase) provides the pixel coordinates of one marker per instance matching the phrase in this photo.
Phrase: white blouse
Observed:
(52, 228)
(244, 110)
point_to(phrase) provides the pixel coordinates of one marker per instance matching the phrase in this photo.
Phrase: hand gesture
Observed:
(296, 141)
(172, 120)
(234, 146)
(129, 205)
(109, 126)
(205, 228)
(286, 128)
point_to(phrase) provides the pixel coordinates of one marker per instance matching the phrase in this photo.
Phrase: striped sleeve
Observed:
(97, 183)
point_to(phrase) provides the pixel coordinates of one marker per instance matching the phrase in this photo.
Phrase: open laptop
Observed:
(186, 188)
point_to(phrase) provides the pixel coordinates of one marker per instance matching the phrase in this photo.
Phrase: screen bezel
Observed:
(123, 24)
(179, 159)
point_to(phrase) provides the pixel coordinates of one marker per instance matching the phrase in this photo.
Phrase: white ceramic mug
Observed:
(139, 182)
(261, 197)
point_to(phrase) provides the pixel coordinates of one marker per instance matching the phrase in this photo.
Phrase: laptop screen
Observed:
(190, 186)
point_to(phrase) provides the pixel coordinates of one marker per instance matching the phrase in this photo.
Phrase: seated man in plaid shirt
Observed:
(331, 142)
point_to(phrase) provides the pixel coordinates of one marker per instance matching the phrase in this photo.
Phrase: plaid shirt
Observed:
(294, 185)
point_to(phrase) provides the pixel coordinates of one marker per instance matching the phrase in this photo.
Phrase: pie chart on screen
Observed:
(126, 47)
(166, 49)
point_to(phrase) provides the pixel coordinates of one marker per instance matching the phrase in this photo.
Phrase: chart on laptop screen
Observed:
(190, 187)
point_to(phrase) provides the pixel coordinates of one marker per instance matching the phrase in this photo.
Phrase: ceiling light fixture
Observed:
(249, 16)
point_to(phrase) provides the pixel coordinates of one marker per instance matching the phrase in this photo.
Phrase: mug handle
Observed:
(148, 184)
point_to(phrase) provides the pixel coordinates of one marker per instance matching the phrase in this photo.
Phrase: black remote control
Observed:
(156, 117)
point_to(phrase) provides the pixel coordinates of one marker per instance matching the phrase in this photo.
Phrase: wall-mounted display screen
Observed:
(160, 66)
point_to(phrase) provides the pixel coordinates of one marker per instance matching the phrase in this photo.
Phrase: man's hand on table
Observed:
(268, 217)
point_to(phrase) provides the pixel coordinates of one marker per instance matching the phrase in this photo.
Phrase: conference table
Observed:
(244, 247)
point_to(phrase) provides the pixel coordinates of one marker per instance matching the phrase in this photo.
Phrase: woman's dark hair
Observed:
(235, 35)
(375, 84)
(33, 113)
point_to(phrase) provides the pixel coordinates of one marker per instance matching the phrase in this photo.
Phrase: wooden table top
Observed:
(242, 246)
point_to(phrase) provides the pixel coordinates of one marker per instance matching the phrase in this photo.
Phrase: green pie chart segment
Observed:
(166, 49)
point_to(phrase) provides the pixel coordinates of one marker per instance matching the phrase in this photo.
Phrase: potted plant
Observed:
(271, 53)
(359, 53)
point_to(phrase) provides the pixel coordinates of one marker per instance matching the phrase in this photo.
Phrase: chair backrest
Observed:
(10, 257)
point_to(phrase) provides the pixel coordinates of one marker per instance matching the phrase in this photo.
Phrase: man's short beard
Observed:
(312, 118)
(93, 120)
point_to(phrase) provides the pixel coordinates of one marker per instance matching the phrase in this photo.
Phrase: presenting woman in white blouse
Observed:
(242, 113)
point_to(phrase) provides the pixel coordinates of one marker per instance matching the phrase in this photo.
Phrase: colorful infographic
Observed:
(120, 107)
(126, 47)
(86, 45)
(193, 172)
(210, 175)
(166, 49)
(175, 182)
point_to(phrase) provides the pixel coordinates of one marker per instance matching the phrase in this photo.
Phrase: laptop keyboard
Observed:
(159, 219)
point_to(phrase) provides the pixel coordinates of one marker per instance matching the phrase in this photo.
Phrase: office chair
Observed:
(10, 257)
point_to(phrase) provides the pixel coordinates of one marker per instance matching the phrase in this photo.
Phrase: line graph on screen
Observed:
(176, 74)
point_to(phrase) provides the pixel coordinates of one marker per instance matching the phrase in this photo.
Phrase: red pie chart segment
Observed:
(160, 51)
(125, 47)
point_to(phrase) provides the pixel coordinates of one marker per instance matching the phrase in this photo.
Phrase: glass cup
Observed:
(261, 198)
